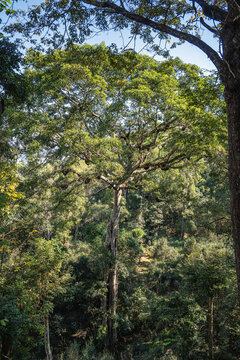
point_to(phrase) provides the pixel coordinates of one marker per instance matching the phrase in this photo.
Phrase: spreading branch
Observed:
(212, 54)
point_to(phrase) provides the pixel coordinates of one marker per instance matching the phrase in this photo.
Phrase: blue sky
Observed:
(186, 52)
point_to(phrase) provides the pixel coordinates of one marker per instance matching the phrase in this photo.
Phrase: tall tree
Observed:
(114, 120)
(183, 20)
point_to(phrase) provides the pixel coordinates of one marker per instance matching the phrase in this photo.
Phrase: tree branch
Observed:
(164, 164)
(208, 27)
(85, 180)
(105, 179)
(212, 54)
(212, 11)
(155, 131)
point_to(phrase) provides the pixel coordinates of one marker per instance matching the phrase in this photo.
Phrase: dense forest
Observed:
(116, 236)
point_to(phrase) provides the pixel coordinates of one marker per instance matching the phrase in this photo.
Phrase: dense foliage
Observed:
(115, 236)
(93, 121)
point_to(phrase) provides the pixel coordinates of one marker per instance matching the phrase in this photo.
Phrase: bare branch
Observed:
(105, 179)
(208, 27)
(122, 5)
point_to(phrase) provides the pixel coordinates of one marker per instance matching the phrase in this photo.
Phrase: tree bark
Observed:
(233, 106)
(112, 278)
(210, 342)
(47, 339)
(231, 79)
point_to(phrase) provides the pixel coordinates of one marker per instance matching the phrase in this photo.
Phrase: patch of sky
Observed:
(122, 39)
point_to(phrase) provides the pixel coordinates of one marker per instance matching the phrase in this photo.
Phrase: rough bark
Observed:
(112, 279)
(231, 79)
(234, 177)
(233, 106)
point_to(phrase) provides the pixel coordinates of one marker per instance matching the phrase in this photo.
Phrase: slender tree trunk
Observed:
(76, 232)
(47, 339)
(112, 279)
(125, 193)
(231, 78)
(210, 342)
(5, 347)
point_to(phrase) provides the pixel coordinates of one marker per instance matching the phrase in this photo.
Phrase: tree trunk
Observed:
(210, 342)
(233, 104)
(5, 347)
(47, 339)
(112, 279)
(229, 70)
(231, 78)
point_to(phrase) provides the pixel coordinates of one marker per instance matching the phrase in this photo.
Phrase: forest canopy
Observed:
(115, 236)
(115, 232)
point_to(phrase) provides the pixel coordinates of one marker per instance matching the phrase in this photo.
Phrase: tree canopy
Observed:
(75, 20)
(115, 233)
(106, 146)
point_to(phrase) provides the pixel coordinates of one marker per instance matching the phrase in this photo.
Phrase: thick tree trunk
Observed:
(210, 323)
(233, 105)
(47, 339)
(112, 280)
(231, 78)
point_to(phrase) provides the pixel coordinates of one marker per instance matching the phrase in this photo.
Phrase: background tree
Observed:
(35, 244)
